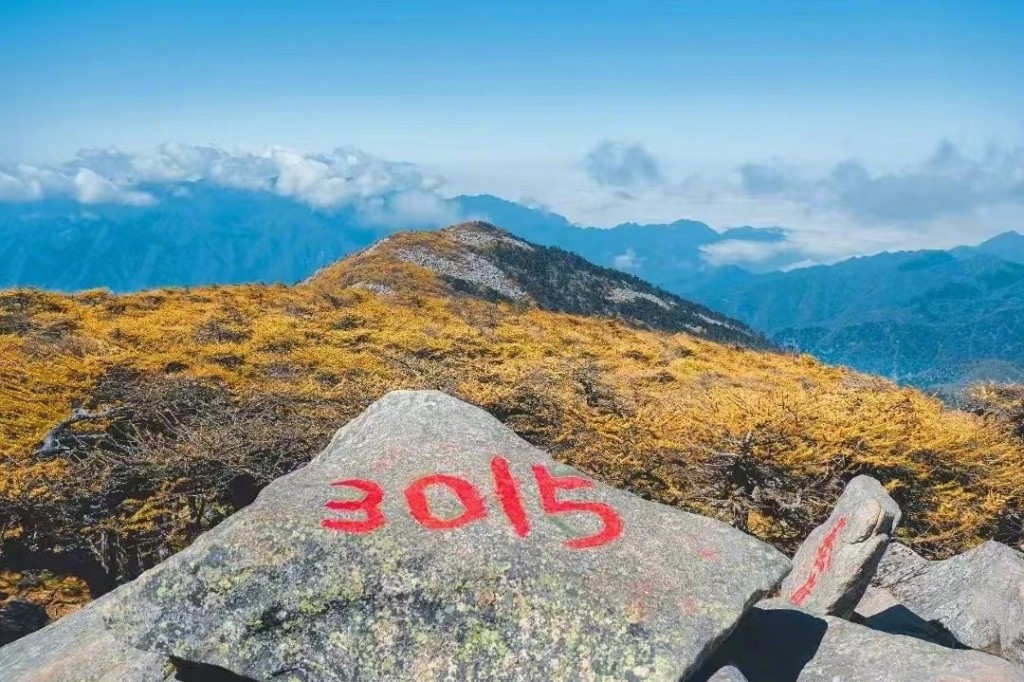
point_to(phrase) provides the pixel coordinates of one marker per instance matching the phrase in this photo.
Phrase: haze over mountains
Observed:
(924, 317)
(205, 234)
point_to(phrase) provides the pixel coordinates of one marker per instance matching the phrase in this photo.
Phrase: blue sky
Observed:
(512, 97)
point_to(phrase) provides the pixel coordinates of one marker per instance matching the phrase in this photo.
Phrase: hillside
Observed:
(479, 260)
(129, 424)
(928, 318)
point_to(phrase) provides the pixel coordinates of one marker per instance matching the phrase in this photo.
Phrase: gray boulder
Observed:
(880, 610)
(976, 597)
(835, 563)
(78, 648)
(18, 618)
(429, 542)
(779, 643)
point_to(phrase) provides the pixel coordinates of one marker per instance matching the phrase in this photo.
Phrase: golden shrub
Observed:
(762, 440)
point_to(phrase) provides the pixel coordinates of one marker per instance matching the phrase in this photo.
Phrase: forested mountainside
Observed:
(130, 424)
(929, 318)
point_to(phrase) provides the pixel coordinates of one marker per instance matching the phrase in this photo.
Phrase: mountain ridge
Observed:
(479, 259)
(931, 318)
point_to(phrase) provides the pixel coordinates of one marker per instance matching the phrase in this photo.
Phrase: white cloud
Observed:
(948, 183)
(92, 188)
(626, 260)
(742, 252)
(622, 165)
(14, 188)
(343, 177)
(410, 209)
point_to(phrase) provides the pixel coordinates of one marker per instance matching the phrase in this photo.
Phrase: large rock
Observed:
(19, 618)
(78, 648)
(777, 642)
(835, 563)
(977, 597)
(364, 565)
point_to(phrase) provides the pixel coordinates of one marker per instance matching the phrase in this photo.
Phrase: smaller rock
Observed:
(776, 642)
(833, 567)
(78, 648)
(19, 618)
(976, 597)
(880, 610)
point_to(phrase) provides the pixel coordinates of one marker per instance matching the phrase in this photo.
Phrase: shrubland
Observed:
(130, 424)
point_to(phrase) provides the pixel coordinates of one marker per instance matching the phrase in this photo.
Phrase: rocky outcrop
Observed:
(976, 597)
(834, 565)
(429, 542)
(777, 642)
(78, 648)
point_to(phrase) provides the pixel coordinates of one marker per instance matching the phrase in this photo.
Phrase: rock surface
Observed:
(581, 582)
(19, 618)
(834, 565)
(779, 643)
(77, 648)
(880, 610)
(977, 597)
(728, 673)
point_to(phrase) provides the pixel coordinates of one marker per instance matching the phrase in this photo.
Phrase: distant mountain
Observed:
(1007, 246)
(668, 255)
(927, 318)
(922, 317)
(198, 233)
(202, 236)
(480, 260)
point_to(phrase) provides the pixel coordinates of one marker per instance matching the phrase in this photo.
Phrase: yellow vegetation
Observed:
(762, 440)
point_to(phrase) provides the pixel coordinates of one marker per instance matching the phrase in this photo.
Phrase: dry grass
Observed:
(189, 401)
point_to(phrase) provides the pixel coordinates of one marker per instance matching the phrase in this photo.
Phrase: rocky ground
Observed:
(429, 542)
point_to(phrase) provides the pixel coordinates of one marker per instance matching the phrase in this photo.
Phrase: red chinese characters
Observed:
(507, 491)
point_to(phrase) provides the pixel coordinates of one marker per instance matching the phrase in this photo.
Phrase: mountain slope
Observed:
(478, 259)
(668, 255)
(1007, 246)
(923, 317)
(197, 234)
(130, 424)
(207, 236)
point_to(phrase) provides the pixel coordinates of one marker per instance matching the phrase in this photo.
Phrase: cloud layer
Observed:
(385, 192)
(947, 184)
(622, 165)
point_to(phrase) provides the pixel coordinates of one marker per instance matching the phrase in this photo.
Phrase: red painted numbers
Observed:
(473, 506)
(550, 485)
(369, 505)
(506, 490)
(822, 562)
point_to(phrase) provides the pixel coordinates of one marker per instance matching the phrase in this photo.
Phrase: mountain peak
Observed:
(480, 260)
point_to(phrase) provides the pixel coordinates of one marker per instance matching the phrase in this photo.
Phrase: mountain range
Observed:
(208, 234)
(929, 318)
